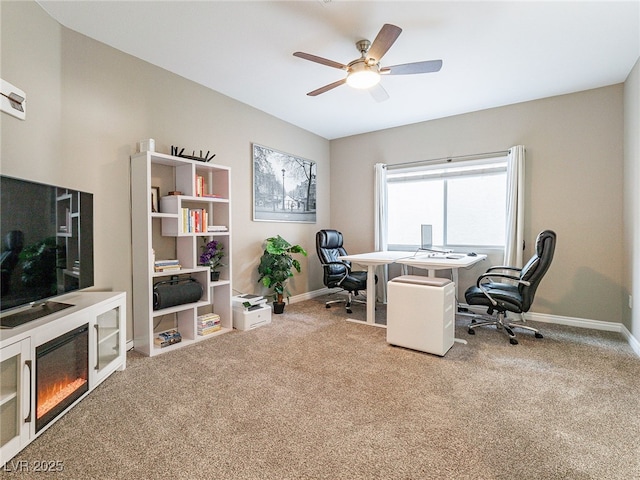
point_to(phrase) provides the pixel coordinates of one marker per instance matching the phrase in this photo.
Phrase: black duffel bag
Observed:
(176, 291)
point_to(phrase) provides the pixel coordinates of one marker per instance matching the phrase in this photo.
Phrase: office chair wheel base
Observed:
(513, 341)
(327, 306)
(471, 331)
(349, 310)
(539, 335)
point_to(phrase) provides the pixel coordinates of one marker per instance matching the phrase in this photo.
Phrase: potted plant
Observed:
(276, 267)
(211, 256)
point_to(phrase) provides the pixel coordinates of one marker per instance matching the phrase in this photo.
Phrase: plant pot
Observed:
(215, 276)
(278, 307)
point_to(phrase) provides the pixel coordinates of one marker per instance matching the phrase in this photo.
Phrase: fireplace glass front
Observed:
(62, 374)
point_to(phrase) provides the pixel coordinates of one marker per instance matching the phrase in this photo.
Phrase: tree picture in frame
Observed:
(284, 187)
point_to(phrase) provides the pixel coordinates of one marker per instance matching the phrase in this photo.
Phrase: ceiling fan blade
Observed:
(387, 35)
(323, 61)
(378, 93)
(326, 88)
(428, 66)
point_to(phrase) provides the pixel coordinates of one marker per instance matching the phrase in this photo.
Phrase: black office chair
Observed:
(338, 273)
(507, 297)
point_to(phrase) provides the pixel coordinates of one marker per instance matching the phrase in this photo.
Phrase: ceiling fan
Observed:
(365, 72)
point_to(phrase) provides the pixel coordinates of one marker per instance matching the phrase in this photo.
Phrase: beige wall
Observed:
(30, 55)
(631, 317)
(573, 186)
(88, 105)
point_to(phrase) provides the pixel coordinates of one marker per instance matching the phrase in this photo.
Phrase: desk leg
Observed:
(371, 294)
(371, 299)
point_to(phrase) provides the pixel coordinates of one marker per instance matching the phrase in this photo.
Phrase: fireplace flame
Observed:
(56, 393)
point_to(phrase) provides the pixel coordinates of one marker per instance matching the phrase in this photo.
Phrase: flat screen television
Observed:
(46, 233)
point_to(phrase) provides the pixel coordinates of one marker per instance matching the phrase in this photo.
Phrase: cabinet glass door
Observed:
(108, 334)
(15, 398)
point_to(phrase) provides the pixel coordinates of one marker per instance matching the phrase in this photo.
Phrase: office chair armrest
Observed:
(489, 276)
(504, 267)
(499, 275)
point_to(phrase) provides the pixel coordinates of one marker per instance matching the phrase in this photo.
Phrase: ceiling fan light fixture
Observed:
(363, 76)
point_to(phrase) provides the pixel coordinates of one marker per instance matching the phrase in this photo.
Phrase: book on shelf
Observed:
(200, 187)
(209, 330)
(211, 195)
(194, 220)
(207, 326)
(217, 228)
(170, 337)
(208, 322)
(208, 317)
(166, 265)
(159, 263)
(167, 268)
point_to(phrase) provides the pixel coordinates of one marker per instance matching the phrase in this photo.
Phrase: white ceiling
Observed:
(494, 53)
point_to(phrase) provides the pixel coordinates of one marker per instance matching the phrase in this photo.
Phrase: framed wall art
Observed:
(284, 187)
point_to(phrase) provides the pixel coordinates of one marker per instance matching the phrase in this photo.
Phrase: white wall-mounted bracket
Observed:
(13, 100)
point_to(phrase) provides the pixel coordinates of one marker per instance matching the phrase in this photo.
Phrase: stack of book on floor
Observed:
(164, 339)
(166, 265)
(208, 323)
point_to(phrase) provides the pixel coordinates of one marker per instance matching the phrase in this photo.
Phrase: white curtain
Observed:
(380, 226)
(514, 233)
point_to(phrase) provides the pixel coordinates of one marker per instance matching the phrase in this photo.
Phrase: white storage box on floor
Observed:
(421, 313)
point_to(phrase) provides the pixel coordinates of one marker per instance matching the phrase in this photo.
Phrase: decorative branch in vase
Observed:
(211, 256)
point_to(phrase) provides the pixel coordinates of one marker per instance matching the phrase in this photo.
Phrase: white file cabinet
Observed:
(421, 313)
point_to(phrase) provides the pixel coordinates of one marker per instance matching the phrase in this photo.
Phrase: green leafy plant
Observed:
(277, 265)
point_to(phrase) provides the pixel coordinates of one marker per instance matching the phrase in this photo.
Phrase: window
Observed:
(465, 202)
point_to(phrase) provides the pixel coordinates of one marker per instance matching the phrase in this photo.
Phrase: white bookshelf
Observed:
(164, 233)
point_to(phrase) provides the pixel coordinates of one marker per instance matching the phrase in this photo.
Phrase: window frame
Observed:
(447, 169)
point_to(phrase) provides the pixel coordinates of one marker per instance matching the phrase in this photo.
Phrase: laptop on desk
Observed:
(426, 237)
(426, 242)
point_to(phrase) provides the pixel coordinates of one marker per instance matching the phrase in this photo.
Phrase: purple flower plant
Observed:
(212, 254)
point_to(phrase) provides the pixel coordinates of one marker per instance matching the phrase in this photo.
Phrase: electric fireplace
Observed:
(62, 374)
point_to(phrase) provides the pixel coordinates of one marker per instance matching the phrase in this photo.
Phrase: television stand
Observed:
(32, 313)
(49, 365)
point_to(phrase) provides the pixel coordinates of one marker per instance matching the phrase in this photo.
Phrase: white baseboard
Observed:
(577, 322)
(633, 341)
(309, 295)
(586, 323)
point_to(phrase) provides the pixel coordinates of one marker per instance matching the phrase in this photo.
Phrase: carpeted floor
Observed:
(312, 396)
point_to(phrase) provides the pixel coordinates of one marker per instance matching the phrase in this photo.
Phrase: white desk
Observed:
(414, 259)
